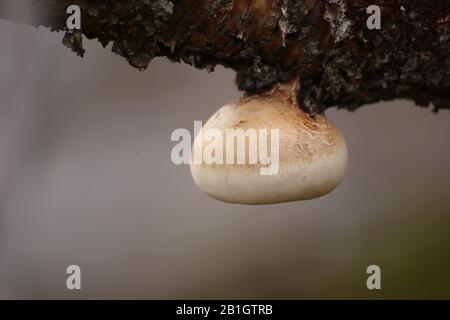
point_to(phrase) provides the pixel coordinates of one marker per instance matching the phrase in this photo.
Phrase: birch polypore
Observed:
(293, 157)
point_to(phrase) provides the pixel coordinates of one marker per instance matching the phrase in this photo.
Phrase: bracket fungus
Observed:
(264, 149)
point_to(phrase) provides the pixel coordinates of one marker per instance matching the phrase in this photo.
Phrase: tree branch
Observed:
(324, 43)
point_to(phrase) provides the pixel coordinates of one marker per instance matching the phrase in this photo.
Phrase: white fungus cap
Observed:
(312, 152)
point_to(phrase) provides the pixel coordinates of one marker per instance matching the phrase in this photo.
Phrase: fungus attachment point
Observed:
(264, 149)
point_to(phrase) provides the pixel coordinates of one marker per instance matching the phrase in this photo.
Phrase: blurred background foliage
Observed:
(86, 178)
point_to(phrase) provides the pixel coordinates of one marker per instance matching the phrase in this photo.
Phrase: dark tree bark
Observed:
(324, 43)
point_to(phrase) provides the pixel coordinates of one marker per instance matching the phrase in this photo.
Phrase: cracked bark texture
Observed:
(323, 43)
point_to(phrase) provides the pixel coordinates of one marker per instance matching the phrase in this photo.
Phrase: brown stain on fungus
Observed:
(301, 135)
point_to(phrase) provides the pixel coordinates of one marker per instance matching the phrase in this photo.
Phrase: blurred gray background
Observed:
(86, 179)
